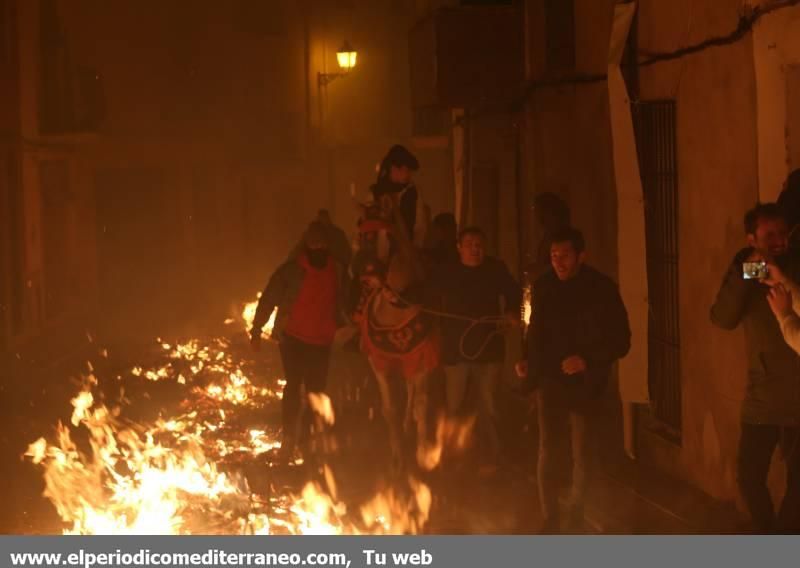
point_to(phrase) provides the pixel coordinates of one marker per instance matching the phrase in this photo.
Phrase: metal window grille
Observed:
(655, 126)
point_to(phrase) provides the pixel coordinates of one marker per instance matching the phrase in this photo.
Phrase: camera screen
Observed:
(754, 270)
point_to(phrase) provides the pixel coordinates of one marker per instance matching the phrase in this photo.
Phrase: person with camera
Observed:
(770, 414)
(309, 292)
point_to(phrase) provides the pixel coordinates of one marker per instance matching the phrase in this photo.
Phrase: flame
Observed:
(224, 379)
(129, 483)
(316, 513)
(321, 404)
(527, 309)
(262, 443)
(249, 314)
(451, 433)
(161, 480)
(237, 389)
(177, 475)
(81, 403)
(392, 513)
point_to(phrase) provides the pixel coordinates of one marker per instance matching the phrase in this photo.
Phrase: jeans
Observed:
(487, 376)
(756, 447)
(303, 364)
(552, 414)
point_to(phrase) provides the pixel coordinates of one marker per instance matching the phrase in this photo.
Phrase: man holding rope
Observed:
(479, 299)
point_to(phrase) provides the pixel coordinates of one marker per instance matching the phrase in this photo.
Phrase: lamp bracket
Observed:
(324, 79)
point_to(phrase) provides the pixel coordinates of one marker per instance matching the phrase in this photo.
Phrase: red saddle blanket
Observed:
(410, 348)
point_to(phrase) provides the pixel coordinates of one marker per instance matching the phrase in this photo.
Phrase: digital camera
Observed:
(755, 270)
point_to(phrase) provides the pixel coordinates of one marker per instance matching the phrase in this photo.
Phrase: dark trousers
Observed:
(556, 412)
(304, 365)
(756, 446)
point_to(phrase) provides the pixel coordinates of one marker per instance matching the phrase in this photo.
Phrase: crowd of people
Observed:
(580, 327)
(578, 330)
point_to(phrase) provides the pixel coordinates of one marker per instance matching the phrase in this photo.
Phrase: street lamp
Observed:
(346, 58)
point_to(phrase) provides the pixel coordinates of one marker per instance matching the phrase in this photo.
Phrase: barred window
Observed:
(655, 125)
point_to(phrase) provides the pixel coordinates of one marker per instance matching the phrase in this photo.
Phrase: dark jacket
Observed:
(438, 256)
(473, 293)
(282, 291)
(583, 316)
(773, 370)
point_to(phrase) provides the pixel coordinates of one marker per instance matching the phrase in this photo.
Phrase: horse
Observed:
(398, 337)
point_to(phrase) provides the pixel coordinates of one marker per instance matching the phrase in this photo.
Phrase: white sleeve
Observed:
(790, 328)
(794, 290)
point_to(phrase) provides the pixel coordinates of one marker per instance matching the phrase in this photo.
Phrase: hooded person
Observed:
(338, 243)
(309, 292)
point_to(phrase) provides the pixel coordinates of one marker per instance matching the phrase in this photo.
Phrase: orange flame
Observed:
(249, 314)
(165, 477)
(450, 433)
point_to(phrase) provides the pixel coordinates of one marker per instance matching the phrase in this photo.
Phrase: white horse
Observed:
(398, 337)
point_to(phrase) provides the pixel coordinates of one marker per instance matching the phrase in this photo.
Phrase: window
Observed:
(654, 123)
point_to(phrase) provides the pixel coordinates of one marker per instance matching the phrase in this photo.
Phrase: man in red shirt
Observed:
(308, 291)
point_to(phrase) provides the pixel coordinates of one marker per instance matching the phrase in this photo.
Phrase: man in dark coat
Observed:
(578, 329)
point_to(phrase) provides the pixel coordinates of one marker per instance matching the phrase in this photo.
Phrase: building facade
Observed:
(159, 162)
(708, 119)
